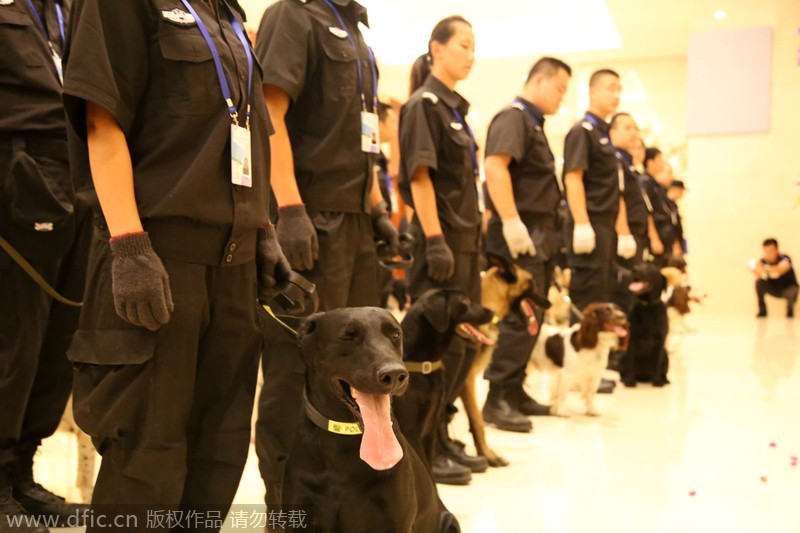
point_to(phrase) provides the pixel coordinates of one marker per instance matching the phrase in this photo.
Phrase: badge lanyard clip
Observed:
(241, 154)
(370, 143)
(43, 26)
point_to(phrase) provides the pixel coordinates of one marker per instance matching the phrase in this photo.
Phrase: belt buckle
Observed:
(427, 367)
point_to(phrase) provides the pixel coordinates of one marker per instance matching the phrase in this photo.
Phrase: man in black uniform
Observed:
(163, 100)
(776, 277)
(657, 194)
(524, 198)
(42, 220)
(320, 86)
(594, 180)
(675, 192)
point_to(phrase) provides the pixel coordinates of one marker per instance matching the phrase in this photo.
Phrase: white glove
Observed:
(626, 246)
(583, 239)
(518, 238)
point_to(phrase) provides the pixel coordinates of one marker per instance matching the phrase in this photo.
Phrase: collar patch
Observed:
(6, 2)
(457, 126)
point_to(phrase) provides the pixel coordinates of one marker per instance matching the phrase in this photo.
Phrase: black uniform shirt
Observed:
(305, 53)
(658, 199)
(514, 131)
(789, 279)
(588, 147)
(635, 205)
(432, 136)
(147, 63)
(30, 90)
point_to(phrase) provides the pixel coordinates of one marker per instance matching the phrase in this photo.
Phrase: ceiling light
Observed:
(719, 15)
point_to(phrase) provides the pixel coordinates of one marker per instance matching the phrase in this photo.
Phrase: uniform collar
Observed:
(451, 98)
(537, 112)
(626, 156)
(360, 11)
(602, 125)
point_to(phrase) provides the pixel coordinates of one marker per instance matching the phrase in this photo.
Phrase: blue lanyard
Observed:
(358, 63)
(537, 122)
(594, 122)
(223, 81)
(472, 151)
(43, 26)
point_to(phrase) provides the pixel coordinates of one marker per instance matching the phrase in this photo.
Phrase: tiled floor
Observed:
(695, 456)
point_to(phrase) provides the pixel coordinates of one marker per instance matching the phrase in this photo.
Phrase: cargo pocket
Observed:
(37, 200)
(112, 382)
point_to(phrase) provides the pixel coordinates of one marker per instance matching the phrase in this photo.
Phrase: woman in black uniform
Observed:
(164, 104)
(438, 179)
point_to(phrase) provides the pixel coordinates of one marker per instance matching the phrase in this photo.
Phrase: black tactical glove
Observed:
(297, 237)
(384, 229)
(273, 268)
(139, 282)
(441, 265)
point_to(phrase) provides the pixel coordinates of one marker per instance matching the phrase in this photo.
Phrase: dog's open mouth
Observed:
(614, 328)
(638, 287)
(527, 306)
(471, 333)
(379, 446)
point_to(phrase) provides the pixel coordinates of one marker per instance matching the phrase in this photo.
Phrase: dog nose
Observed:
(393, 377)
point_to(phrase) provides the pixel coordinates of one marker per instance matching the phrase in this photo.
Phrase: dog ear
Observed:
(672, 275)
(436, 311)
(505, 269)
(590, 328)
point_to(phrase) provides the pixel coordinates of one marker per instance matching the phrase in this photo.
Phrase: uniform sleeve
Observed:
(282, 47)
(106, 60)
(576, 149)
(418, 146)
(507, 135)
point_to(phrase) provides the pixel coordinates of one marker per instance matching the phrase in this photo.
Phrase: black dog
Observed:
(350, 464)
(428, 329)
(647, 359)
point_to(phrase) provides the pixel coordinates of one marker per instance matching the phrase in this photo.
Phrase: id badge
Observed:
(370, 143)
(241, 160)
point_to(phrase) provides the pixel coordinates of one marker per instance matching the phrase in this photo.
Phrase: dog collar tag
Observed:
(344, 428)
(457, 126)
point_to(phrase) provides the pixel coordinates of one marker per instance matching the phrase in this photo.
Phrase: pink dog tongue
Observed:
(533, 324)
(619, 330)
(636, 286)
(379, 446)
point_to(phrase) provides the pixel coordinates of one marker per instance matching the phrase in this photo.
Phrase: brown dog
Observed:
(503, 286)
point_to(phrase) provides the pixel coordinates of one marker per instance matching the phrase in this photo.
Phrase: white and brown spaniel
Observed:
(578, 355)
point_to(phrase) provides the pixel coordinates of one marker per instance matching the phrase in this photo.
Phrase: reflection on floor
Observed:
(695, 456)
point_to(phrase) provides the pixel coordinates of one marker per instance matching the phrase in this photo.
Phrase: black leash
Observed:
(34, 275)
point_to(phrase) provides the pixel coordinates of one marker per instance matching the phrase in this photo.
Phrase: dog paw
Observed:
(496, 461)
(592, 412)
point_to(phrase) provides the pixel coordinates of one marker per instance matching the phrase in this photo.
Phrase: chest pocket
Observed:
(456, 149)
(190, 83)
(20, 43)
(339, 70)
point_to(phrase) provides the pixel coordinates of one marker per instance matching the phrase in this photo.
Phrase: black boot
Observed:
(39, 501)
(448, 472)
(498, 411)
(452, 450)
(518, 398)
(12, 516)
